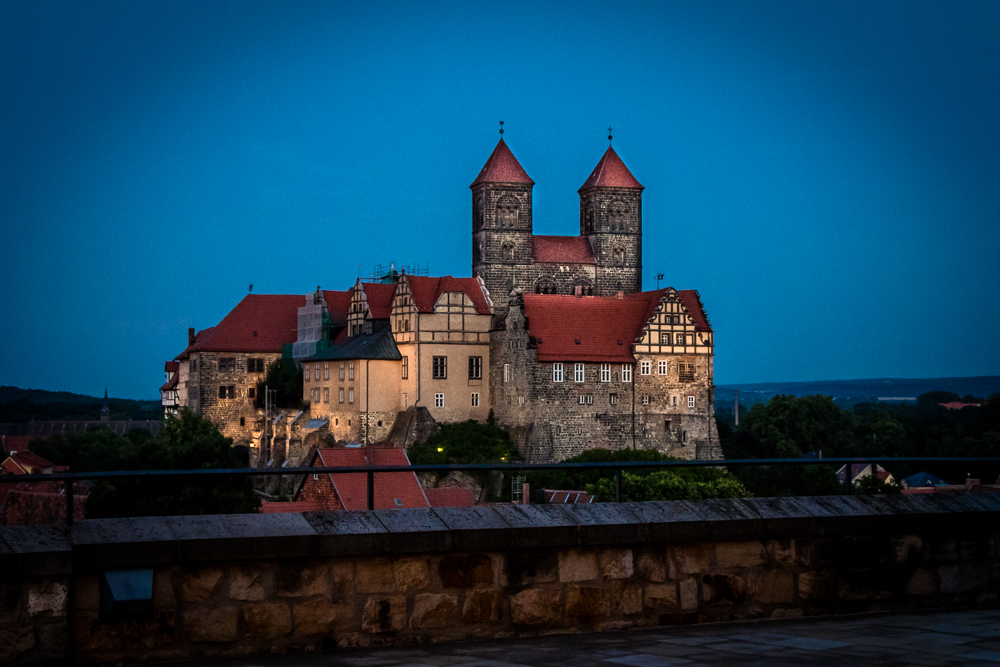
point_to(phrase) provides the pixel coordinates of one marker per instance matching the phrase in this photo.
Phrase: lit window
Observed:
(578, 373)
(341, 394)
(326, 371)
(557, 372)
(440, 368)
(406, 367)
(350, 395)
(350, 371)
(605, 372)
(438, 400)
(475, 400)
(475, 368)
(342, 373)
(645, 367)
(661, 368)
(506, 372)
(626, 373)
(690, 401)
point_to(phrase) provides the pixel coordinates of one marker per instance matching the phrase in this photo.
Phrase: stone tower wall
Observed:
(500, 243)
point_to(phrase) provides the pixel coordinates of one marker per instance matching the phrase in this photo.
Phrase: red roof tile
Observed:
(692, 302)
(39, 503)
(450, 497)
(426, 292)
(173, 368)
(352, 488)
(379, 296)
(270, 507)
(502, 167)
(611, 172)
(562, 249)
(16, 443)
(26, 463)
(337, 304)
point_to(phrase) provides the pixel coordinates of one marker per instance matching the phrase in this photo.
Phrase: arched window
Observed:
(619, 256)
(545, 286)
(583, 288)
(617, 216)
(507, 211)
(507, 252)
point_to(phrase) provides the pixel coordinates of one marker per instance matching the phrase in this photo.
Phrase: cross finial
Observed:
(501, 129)
(609, 134)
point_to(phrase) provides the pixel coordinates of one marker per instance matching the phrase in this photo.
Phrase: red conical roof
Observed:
(502, 167)
(611, 172)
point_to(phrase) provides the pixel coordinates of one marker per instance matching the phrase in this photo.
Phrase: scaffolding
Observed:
(390, 274)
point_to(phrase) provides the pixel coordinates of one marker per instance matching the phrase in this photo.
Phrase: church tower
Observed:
(611, 218)
(501, 225)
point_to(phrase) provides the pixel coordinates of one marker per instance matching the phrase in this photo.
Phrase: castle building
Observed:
(553, 333)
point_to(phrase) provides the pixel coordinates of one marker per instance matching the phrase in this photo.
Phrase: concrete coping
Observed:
(101, 543)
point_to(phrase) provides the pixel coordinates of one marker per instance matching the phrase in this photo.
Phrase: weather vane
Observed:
(501, 128)
(609, 134)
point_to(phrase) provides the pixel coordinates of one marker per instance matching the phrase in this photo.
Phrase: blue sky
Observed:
(827, 175)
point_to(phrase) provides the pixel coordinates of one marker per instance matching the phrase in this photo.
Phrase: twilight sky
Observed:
(826, 174)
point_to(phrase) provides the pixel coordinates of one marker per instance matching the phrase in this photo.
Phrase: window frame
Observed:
(506, 373)
(438, 400)
(341, 395)
(579, 373)
(626, 373)
(475, 399)
(439, 367)
(690, 403)
(406, 368)
(645, 367)
(475, 368)
(557, 372)
(350, 370)
(661, 367)
(605, 372)
(350, 395)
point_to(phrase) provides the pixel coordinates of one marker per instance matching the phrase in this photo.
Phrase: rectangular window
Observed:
(326, 371)
(626, 373)
(645, 367)
(440, 368)
(350, 395)
(342, 371)
(222, 391)
(578, 373)
(252, 392)
(475, 400)
(645, 400)
(557, 372)
(506, 372)
(661, 368)
(438, 400)
(690, 401)
(350, 370)
(193, 366)
(666, 339)
(406, 367)
(613, 399)
(685, 372)
(341, 394)
(326, 394)
(227, 364)
(680, 339)
(580, 399)
(475, 368)
(605, 372)
(590, 399)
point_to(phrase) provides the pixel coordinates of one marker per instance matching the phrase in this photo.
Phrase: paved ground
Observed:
(926, 638)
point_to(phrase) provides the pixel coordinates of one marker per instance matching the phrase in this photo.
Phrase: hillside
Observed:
(23, 405)
(846, 391)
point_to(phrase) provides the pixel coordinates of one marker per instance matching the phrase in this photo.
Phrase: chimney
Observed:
(190, 335)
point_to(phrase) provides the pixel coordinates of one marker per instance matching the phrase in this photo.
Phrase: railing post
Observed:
(69, 503)
(618, 485)
(371, 490)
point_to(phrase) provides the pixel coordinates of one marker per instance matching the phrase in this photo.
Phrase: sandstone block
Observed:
(481, 606)
(626, 597)
(587, 604)
(164, 596)
(246, 584)
(91, 633)
(723, 589)
(387, 614)
(200, 583)
(210, 625)
(315, 617)
(864, 585)
(774, 587)
(651, 565)
(291, 581)
(617, 564)
(906, 547)
(815, 585)
(576, 565)
(434, 610)
(524, 568)
(466, 571)
(48, 599)
(740, 554)
(411, 574)
(374, 576)
(921, 583)
(536, 606)
(15, 641)
(86, 592)
(267, 621)
(661, 597)
(964, 577)
(688, 559)
(782, 552)
(689, 594)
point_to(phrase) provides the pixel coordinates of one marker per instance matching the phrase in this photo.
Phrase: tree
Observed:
(285, 380)
(789, 426)
(467, 442)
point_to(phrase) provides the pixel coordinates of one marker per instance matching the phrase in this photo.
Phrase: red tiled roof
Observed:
(16, 443)
(337, 304)
(172, 367)
(562, 249)
(426, 292)
(352, 488)
(379, 297)
(611, 172)
(450, 497)
(269, 507)
(502, 167)
(35, 504)
(692, 302)
(26, 463)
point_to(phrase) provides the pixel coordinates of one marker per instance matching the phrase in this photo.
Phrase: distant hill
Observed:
(23, 405)
(851, 391)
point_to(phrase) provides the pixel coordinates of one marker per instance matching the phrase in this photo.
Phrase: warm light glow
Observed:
(440, 449)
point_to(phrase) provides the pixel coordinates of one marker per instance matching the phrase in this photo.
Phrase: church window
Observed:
(578, 373)
(617, 215)
(545, 286)
(475, 368)
(661, 368)
(406, 367)
(605, 372)
(619, 257)
(475, 400)
(557, 372)
(507, 211)
(438, 400)
(645, 367)
(440, 368)
(690, 401)
(350, 371)
(626, 373)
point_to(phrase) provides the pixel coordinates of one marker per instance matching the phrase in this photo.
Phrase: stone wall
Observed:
(253, 584)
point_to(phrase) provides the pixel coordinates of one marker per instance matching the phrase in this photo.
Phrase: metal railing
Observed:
(619, 467)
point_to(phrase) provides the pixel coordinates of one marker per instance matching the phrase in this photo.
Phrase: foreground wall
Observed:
(245, 584)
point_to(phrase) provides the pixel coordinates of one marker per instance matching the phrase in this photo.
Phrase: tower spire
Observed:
(609, 134)
(501, 129)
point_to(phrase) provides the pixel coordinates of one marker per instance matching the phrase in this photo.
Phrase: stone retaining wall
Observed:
(248, 584)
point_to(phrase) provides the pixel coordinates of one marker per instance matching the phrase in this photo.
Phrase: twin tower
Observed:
(604, 260)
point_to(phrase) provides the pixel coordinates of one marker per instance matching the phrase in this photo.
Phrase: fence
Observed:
(618, 467)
